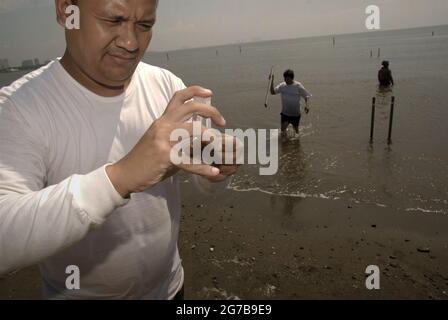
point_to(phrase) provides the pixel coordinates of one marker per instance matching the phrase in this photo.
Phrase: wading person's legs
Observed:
(284, 124)
(295, 123)
(284, 127)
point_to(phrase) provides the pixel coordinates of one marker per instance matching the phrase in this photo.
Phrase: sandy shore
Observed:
(271, 247)
(251, 245)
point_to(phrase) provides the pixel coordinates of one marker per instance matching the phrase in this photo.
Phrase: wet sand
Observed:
(250, 245)
(271, 247)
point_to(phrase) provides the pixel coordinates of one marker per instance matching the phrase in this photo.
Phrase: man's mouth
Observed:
(122, 59)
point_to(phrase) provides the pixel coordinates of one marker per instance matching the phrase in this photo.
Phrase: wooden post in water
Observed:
(372, 123)
(391, 120)
(379, 52)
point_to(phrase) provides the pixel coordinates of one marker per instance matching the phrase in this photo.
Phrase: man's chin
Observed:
(119, 78)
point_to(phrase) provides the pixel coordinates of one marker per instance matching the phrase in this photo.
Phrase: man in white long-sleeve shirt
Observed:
(85, 172)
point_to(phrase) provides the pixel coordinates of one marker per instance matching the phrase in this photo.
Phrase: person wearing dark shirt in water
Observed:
(385, 75)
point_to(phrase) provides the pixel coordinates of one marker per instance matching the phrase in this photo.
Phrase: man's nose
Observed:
(127, 38)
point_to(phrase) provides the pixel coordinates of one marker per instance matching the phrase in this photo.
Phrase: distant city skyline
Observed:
(28, 28)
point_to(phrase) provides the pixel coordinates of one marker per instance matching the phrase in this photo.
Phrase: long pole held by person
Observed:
(271, 78)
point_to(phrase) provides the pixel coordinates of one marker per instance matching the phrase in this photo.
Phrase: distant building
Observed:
(28, 64)
(36, 62)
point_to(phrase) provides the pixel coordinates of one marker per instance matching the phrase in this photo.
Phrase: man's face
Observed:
(112, 39)
(289, 80)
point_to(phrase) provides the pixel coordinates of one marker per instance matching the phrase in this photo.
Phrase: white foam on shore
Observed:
(304, 131)
(307, 195)
(425, 210)
(294, 195)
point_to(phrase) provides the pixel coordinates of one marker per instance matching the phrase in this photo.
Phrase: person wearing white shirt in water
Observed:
(85, 171)
(291, 92)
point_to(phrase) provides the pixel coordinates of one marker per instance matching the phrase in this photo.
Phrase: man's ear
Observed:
(61, 7)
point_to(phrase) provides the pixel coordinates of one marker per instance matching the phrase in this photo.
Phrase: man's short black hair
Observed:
(385, 64)
(288, 74)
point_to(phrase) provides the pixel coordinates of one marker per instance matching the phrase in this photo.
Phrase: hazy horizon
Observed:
(293, 38)
(28, 28)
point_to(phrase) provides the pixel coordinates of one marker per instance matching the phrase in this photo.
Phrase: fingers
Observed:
(201, 170)
(189, 109)
(223, 149)
(231, 151)
(226, 149)
(217, 172)
(227, 170)
(182, 96)
(181, 108)
(189, 127)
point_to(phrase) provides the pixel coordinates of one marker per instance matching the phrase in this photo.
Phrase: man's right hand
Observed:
(149, 162)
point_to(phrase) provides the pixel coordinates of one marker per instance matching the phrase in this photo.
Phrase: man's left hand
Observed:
(228, 169)
(226, 172)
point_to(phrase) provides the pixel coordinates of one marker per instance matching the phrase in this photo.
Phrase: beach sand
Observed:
(252, 245)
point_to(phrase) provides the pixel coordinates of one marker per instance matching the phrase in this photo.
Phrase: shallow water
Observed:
(332, 158)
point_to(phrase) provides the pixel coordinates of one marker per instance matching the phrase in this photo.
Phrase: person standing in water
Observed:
(385, 75)
(291, 92)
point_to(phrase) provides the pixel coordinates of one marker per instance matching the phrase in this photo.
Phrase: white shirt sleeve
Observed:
(38, 221)
(277, 89)
(303, 92)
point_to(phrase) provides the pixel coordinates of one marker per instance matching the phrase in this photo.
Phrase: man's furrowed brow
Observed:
(110, 15)
(149, 21)
(118, 17)
(121, 17)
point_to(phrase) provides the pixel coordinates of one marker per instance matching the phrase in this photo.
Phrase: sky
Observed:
(28, 28)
